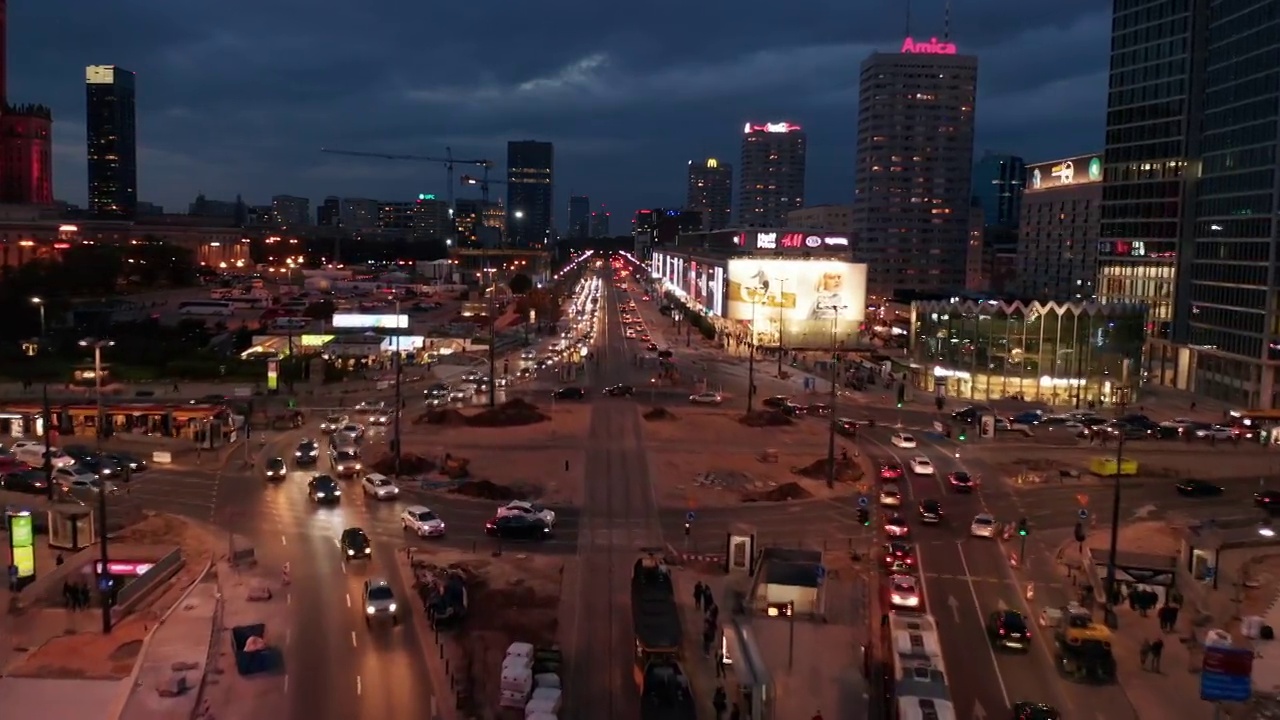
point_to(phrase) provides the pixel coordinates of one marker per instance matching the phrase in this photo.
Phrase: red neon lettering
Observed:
(933, 47)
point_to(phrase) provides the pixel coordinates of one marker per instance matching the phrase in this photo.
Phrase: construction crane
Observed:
(483, 182)
(448, 161)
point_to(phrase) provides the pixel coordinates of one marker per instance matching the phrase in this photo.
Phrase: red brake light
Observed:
(1001, 631)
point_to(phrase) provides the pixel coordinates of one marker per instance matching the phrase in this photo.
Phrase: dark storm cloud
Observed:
(239, 96)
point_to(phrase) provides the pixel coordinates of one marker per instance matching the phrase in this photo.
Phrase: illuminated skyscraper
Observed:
(530, 187)
(26, 140)
(711, 192)
(111, 133)
(579, 216)
(771, 175)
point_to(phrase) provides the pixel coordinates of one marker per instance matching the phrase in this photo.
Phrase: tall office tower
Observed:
(26, 141)
(433, 219)
(359, 213)
(288, 211)
(1228, 277)
(329, 213)
(1057, 246)
(710, 192)
(466, 218)
(111, 132)
(579, 216)
(771, 175)
(1155, 88)
(998, 183)
(530, 186)
(914, 166)
(600, 222)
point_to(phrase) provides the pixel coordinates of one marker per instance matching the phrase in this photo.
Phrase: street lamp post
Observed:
(782, 301)
(831, 415)
(493, 330)
(1110, 584)
(97, 346)
(39, 302)
(395, 441)
(751, 353)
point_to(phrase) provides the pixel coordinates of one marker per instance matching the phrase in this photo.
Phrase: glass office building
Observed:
(1059, 353)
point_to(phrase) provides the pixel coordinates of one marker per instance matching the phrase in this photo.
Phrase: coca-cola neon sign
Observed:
(778, 127)
(933, 47)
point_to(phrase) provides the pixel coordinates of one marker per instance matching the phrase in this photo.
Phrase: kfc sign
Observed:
(767, 241)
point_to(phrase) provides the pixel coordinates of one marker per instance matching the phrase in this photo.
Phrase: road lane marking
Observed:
(283, 540)
(286, 683)
(288, 599)
(348, 599)
(977, 607)
(288, 634)
(359, 686)
(353, 638)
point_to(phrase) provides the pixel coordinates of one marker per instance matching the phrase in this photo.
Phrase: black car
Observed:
(777, 402)
(1008, 630)
(101, 465)
(355, 544)
(570, 393)
(124, 459)
(620, 391)
(1268, 500)
(28, 482)
(275, 469)
(961, 482)
(307, 453)
(1035, 711)
(969, 415)
(930, 512)
(517, 527)
(324, 489)
(1198, 488)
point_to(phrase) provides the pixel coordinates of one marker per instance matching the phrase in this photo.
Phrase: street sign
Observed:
(688, 517)
(1083, 499)
(1226, 674)
(1084, 514)
(863, 501)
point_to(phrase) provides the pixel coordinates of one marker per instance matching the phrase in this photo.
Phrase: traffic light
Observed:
(864, 517)
(1022, 527)
(963, 433)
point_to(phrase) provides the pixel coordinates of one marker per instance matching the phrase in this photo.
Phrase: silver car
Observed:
(379, 601)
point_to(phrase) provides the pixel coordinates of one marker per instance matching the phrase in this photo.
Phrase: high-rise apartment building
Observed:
(998, 183)
(359, 213)
(1057, 250)
(26, 140)
(288, 211)
(600, 223)
(710, 192)
(579, 216)
(466, 218)
(329, 213)
(530, 187)
(111, 133)
(914, 167)
(836, 218)
(771, 174)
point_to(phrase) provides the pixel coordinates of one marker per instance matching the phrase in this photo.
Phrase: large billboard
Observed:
(798, 303)
(808, 241)
(380, 322)
(1082, 170)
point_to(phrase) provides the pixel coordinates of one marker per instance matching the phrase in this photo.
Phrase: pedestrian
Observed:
(708, 637)
(1173, 617)
(698, 593)
(713, 614)
(1157, 648)
(566, 466)
(1144, 653)
(59, 560)
(1163, 616)
(84, 596)
(719, 702)
(68, 595)
(707, 599)
(719, 664)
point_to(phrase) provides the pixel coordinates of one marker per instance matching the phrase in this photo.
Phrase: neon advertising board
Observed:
(911, 46)
(1083, 170)
(778, 127)
(382, 322)
(798, 301)
(800, 241)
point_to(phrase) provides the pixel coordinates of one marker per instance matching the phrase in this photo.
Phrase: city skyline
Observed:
(223, 136)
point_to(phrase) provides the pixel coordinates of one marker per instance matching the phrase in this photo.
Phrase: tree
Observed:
(322, 310)
(520, 284)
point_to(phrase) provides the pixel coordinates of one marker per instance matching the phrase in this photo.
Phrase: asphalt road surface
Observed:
(619, 516)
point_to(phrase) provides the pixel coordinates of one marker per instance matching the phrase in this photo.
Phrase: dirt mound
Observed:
(512, 413)
(658, 414)
(782, 493)
(485, 490)
(442, 416)
(765, 418)
(846, 470)
(410, 464)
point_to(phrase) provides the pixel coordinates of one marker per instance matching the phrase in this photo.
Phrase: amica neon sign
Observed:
(933, 47)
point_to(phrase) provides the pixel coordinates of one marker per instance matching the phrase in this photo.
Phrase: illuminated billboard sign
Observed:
(778, 127)
(800, 241)
(932, 47)
(799, 302)
(1081, 170)
(124, 567)
(381, 322)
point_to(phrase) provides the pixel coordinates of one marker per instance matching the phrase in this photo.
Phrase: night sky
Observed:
(237, 96)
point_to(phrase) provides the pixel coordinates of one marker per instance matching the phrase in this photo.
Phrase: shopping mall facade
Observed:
(1057, 353)
(790, 288)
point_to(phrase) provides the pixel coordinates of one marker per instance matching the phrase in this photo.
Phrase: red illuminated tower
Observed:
(26, 139)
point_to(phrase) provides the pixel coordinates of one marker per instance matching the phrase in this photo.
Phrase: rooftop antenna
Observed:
(946, 21)
(908, 18)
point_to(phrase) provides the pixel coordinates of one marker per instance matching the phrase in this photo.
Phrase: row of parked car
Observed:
(1087, 423)
(74, 467)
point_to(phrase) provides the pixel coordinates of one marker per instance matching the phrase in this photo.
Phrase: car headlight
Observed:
(337, 492)
(350, 551)
(369, 609)
(319, 494)
(391, 607)
(368, 550)
(358, 466)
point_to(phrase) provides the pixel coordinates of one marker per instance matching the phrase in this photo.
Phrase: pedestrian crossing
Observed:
(182, 492)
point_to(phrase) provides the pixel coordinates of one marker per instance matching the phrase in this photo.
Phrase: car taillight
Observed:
(1002, 631)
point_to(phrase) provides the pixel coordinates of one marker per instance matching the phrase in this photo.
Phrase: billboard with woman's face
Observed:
(798, 302)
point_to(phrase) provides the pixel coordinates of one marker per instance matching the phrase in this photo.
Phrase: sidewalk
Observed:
(438, 652)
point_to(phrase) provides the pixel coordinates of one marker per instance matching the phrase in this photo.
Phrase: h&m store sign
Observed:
(793, 241)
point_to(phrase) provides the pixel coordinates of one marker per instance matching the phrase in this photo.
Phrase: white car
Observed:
(380, 487)
(706, 398)
(422, 521)
(921, 466)
(903, 440)
(528, 509)
(904, 592)
(1217, 432)
(470, 375)
(529, 354)
(379, 601)
(381, 418)
(462, 392)
(31, 452)
(355, 431)
(370, 406)
(983, 525)
(890, 495)
(333, 422)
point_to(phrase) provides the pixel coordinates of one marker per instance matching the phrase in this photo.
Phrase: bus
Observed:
(919, 677)
(218, 308)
